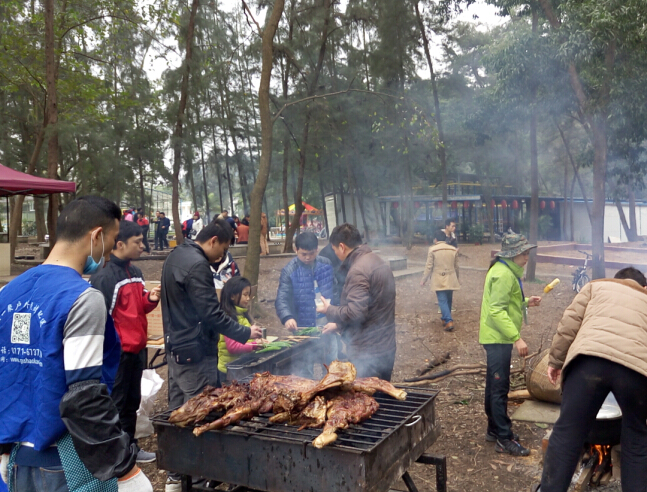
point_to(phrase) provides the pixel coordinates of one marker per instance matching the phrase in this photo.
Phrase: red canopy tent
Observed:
(14, 182)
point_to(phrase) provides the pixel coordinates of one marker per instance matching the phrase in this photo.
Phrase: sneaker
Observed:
(145, 456)
(509, 446)
(173, 485)
(492, 437)
(449, 326)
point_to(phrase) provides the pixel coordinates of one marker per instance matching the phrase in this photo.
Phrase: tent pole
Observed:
(7, 223)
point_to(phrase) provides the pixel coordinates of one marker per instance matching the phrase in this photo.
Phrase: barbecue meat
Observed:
(210, 400)
(348, 408)
(371, 385)
(338, 374)
(313, 415)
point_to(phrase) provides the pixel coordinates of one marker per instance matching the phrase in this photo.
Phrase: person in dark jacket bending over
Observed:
(128, 302)
(193, 319)
(365, 316)
(59, 352)
(295, 299)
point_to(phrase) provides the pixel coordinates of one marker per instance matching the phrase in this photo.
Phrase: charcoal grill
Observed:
(281, 363)
(260, 455)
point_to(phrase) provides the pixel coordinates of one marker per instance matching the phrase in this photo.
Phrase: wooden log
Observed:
(435, 362)
(519, 395)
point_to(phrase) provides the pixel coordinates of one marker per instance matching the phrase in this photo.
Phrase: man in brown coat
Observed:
(601, 346)
(442, 267)
(365, 316)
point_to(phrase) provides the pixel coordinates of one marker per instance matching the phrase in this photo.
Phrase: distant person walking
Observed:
(503, 310)
(143, 222)
(196, 226)
(243, 233)
(165, 223)
(442, 267)
(447, 234)
(157, 221)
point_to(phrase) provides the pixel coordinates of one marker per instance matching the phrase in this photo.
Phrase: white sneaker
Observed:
(173, 485)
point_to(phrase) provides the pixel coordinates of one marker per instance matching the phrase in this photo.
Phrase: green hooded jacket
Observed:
(502, 306)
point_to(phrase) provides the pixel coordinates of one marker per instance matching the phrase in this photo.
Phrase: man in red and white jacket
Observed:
(128, 302)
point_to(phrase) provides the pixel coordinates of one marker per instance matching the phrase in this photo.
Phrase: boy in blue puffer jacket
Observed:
(302, 280)
(295, 299)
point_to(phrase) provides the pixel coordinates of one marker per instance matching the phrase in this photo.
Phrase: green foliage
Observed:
(476, 233)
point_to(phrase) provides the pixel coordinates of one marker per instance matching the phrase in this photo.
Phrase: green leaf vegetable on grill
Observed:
(312, 331)
(272, 346)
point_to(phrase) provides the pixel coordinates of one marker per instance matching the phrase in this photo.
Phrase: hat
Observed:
(513, 245)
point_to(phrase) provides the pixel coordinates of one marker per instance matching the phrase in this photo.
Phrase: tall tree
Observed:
(177, 134)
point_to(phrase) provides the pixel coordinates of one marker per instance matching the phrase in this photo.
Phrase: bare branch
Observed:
(320, 96)
(247, 11)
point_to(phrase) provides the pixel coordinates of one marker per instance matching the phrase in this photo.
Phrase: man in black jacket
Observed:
(193, 319)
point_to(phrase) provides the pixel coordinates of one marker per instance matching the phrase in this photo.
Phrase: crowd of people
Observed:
(73, 351)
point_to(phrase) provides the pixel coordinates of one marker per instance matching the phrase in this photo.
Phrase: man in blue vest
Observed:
(59, 353)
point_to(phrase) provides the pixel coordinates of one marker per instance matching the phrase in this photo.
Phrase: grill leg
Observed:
(440, 462)
(187, 483)
(408, 481)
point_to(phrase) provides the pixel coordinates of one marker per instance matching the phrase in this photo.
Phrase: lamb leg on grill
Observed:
(338, 374)
(348, 408)
(371, 385)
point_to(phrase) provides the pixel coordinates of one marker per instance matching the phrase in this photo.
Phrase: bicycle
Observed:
(580, 277)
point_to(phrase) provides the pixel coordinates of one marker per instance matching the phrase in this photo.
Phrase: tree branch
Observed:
(247, 11)
(309, 98)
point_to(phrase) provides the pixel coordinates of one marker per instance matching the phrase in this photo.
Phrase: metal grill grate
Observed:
(362, 437)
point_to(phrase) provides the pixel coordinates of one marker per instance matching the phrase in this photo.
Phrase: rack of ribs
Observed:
(349, 407)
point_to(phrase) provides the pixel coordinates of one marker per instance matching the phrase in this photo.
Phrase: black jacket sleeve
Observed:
(105, 285)
(201, 290)
(92, 420)
(284, 298)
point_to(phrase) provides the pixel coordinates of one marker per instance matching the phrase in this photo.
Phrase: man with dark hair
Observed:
(128, 302)
(366, 312)
(58, 417)
(165, 224)
(600, 347)
(447, 234)
(442, 268)
(301, 280)
(193, 319)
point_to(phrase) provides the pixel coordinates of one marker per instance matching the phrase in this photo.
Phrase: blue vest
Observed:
(303, 289)
(33, 311)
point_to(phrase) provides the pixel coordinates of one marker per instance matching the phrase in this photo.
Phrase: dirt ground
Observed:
(472, 463)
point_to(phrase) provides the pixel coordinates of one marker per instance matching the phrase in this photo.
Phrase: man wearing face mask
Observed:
(59, 351)
(193, 319)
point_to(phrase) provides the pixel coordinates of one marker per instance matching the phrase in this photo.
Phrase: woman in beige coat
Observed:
(601, 346)
(442, 267)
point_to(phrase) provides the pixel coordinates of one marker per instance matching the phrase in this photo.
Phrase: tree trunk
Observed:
(52, 113)
(571, 210)
(15, 219)
(252, 261)
(442, 156)
(284, 187)
(204, 173)
(533, 233)
(215, 153)
(298, 205)
(576, 173)
(177, 134)
(632, 215)
(41, 227)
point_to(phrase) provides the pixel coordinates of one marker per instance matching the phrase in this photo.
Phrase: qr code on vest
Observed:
(20, 328)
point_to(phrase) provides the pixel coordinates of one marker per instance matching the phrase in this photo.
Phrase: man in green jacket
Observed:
(503, 310)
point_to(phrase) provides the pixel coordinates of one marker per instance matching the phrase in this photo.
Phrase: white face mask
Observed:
(92, 266)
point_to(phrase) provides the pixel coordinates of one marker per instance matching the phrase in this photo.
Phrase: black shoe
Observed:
(511, 447)
(492, 437)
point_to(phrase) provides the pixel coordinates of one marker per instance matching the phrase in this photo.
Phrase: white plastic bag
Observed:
(151, 384)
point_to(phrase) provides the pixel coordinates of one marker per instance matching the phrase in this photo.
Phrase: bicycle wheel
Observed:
(581, 282)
